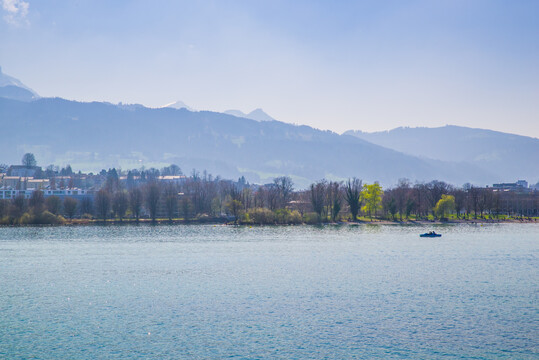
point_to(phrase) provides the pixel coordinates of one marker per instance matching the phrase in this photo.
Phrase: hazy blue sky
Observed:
(367, 65)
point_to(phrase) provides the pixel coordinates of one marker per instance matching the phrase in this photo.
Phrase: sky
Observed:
(337, 65)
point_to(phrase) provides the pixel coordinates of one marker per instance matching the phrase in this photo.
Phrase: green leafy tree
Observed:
(444, 206)
(372, 195)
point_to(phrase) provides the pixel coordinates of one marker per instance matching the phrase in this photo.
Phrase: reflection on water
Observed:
(269, 292)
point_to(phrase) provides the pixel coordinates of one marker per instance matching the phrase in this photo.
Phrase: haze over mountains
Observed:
(500, 153)
(92, 136)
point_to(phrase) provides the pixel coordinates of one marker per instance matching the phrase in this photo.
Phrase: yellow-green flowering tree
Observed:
(372, 196)
(444, 206)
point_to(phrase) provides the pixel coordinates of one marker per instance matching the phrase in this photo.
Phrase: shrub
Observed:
(42, 218)
(47, 217)
(26, 218)
(261, 216)
(311, 218)
(246, 219)
(295, 218)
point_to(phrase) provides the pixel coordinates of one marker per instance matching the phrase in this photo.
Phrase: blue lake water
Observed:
(206, 292)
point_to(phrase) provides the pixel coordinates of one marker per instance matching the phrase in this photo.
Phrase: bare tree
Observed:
(334, 191)
(29, 160)
(435, 191)
(474, 194)
(235, 208)
(102, 202)
(460, 200)
(318, 196)
(153, 193)
(186, 208)
(4, 208)
(37, 201)
(400, 194)
(135, 202)
(18, 206)
(173, 169)
(390, 204)
(285, 187)
(54, 204)
(421, 197)
(171, 200)
(272, 197)
(86, 206)
(70, 207)
(352, 195)
(120, 203)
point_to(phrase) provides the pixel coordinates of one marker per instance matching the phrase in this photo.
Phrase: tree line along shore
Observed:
(148, 196)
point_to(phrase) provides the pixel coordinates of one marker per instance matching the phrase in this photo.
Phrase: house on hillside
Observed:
(520, 185)
(23, 183)
(23, 171)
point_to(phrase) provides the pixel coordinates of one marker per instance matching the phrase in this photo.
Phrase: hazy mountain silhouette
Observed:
(179, 105)
(16, 93)
(14, 89)
(91, 136)
(506, 156)
(257, 114)
(236, 113)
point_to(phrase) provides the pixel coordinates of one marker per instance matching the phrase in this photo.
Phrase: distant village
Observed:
(168, 194)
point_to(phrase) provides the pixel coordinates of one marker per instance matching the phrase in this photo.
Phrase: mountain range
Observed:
(92, 136)
(499, 153)
(257, 114)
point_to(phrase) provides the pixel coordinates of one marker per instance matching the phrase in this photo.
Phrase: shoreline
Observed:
(226, 222)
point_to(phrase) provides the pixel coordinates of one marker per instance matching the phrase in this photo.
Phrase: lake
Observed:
(290, 292)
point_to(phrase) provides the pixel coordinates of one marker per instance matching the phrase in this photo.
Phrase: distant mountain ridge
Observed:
(179, 105)
(506, 156)
(95, 135)
(14, 89)
(91, 136)
(256, 114)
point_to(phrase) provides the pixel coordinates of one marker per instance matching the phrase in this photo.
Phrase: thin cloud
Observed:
(16, 11)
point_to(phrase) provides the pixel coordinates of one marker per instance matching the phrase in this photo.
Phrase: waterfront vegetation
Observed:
(146, 196)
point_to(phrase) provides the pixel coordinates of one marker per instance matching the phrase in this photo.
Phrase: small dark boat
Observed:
(430, 234)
